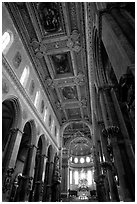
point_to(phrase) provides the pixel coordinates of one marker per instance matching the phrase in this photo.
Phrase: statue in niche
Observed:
(69, 92)
(49, 16)
(61, 63)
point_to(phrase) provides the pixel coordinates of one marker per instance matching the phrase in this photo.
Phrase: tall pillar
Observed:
(107, 164)
(56, 181)
(9, 159)
(115, 10)
(64, 184)
(113, 133)
(49, 182)
(109, 110)
(120, 51)
(27, 176)
(39, 181)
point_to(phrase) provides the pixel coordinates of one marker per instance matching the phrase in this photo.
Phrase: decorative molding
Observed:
(8, 180)
(73, 42)
(83, 102)
(111, 131)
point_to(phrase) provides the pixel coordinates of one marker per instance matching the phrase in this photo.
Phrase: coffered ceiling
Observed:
(54, 36)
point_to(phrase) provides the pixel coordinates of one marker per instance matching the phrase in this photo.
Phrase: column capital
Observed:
(106, 165)
(110, 131)
(33, 146)
(105, 87)
(44, 156)
(14, 130)
(113, 130)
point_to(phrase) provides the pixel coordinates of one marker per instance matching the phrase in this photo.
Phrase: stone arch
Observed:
(39, 170)
(50, 153)
(70, 122)
(44, 143)
(72, 139)
(11, 125)
(17, 108)
(48, 174)
(25, 162)
(34, 132)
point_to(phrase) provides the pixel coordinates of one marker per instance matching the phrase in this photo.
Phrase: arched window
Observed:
(37, 98)
(76, 160)
(24, 76)
(52, 126)
(7, 40)
(87, 159)
(82, 160)
(45, 114)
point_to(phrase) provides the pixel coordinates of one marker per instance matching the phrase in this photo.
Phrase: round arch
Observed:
(70, 122)
(33, 132)
(17, 109)
(44, 143)
(11, 125)
(50, 153)
(72, 139)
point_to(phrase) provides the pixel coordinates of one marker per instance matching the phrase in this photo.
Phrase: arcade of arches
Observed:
(68, 101)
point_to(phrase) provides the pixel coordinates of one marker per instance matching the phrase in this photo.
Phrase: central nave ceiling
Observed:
(54, 36)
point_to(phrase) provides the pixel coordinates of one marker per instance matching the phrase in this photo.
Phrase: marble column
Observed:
(109, 170)
(127, 29)
(14, 134)
(65, 180)
(120, 51)
(113, 133)
(27, 176)
(39, 182)
(9, 159)
(49, 182)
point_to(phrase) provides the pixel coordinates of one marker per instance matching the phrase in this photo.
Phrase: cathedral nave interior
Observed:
(68, 101)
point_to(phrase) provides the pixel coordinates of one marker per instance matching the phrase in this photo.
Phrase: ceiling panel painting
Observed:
(49, 17)
(69, 92)
(62, 63)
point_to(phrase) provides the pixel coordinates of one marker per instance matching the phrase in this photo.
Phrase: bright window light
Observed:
(37, 98)
(71, 159)
(89, 177)
(45, 114)
(83, 175)
(70, 176)
(76, 160)
(52, 126)
(87, 159)
(24, 76)
(7, 39)
(82, 160)
(76, 177)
